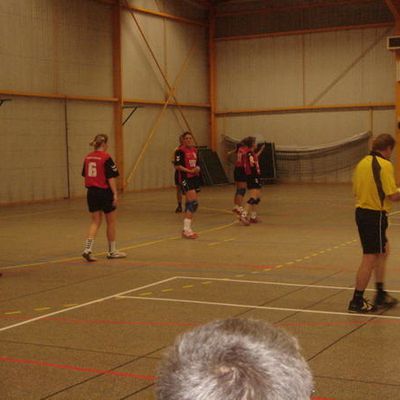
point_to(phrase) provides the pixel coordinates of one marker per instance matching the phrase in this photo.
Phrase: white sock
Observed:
(187, 224)
(89, 245)
(253, 215)
(112, 247)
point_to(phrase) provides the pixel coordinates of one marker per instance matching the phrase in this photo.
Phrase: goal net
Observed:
(329, 162)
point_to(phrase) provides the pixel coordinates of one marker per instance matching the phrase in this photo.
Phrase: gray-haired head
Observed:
(234, 359)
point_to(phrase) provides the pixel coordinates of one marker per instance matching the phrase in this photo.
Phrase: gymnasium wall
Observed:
(181, 51)
(57, 67)
(344, 67)
(51, 49)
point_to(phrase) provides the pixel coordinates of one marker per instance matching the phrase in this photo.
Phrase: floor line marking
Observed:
(27, 214)
(5, 328)
(135, 246)
(276, 283)
(212, 303)
(77, 368)
(93, 370)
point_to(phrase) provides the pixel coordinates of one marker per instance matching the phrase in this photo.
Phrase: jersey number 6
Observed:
(92, 169)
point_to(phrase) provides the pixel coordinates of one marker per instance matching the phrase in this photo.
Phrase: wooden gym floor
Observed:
(74, 330)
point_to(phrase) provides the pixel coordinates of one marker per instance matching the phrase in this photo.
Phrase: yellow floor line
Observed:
(136, 246)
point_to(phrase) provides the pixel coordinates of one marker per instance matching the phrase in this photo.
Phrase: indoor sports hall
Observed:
(315, 81)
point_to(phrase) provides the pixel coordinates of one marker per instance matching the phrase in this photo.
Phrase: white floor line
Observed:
(85, 304)
(276, 283)
(299, 310)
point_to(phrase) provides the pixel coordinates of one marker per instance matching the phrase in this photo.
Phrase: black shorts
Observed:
(253, 182)
(176, 178)
(239, 175)
(99, 199)
(190, 184)
(372, 227)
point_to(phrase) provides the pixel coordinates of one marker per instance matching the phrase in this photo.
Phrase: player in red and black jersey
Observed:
(186, 164)
(100, 171)
(179, 194)
(252, 171)
(239, 177)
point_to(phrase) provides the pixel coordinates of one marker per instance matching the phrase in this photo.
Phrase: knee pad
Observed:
(257, 200)
(240, 192)
(252, 201)
(191, 206)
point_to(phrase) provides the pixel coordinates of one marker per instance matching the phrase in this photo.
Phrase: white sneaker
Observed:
(189, 235)
(244, 220)
(116, 254)
(87, 255)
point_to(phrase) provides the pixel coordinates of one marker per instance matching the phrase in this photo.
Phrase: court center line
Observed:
(85, 304)
(274, 283)
(252, 306)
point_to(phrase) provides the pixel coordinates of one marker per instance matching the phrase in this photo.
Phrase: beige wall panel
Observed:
(56, 47)
(192, 82)
(259, 73)
(141, 78)
(85, 120)
(27, 45)
(155, 169)
(84, 57)
(348, 67)
(34, 158)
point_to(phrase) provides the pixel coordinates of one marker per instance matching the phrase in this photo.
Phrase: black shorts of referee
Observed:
(372, 226)
(99, 199)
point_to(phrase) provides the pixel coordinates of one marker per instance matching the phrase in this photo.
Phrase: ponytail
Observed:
(99, 140)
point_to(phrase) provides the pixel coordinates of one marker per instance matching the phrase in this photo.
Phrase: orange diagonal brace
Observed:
(170, 88)
(159, 116)
(394, 7)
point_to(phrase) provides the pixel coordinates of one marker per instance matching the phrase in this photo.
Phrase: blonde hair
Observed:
(99, 140)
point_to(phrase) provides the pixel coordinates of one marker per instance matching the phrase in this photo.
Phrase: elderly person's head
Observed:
(234, 359)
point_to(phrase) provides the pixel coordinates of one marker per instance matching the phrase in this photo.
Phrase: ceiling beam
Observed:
(394, 7)
(297, 7)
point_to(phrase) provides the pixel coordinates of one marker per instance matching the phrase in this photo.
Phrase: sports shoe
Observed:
(384, 300)
(244, 220)
(87, 255)
(189, 235)
(363, 306)
(254, 220)
(116, 254)
(178, 209)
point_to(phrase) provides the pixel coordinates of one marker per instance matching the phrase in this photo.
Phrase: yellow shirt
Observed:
(365, 188)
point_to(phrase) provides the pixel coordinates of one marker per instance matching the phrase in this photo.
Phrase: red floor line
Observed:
(76, 368)
(91, 370)
(192, 324)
